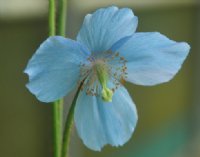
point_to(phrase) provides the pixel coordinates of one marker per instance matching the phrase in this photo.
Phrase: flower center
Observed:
(103, 75)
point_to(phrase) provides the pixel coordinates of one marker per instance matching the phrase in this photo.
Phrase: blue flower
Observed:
(107, 52)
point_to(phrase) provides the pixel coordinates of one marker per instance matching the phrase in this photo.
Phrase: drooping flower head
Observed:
(107, 52)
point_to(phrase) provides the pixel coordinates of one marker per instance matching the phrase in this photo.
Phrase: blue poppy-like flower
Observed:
(107, 52)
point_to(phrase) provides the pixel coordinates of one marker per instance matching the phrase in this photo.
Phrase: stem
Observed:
(57, 105)
(57, 126)
(52, 16)
(62, 17)
(68, 126)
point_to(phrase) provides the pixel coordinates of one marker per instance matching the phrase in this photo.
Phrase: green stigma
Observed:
(102, 73)
(107, 94)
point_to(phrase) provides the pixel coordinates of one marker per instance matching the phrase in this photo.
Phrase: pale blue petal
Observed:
(152, 57)
(99, 123)
(106, 26)
(54, 69)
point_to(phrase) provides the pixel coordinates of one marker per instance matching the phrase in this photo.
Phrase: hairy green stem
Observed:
(62, 17)
(68, 126)
(57, 105)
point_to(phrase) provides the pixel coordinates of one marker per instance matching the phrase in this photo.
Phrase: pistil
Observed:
(103, 77)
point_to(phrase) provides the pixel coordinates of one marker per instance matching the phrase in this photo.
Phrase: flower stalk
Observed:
(62, 17)
(57, 126)
(68, 126)
(52, 18)
(57, 105)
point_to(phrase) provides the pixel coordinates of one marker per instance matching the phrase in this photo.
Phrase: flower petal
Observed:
(152, 57)
(54, 69)
(99, 123)
(106, 26)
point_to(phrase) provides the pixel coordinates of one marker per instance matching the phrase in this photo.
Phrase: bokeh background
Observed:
(169, 114)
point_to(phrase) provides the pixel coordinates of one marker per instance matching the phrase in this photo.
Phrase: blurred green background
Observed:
(169, 114)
